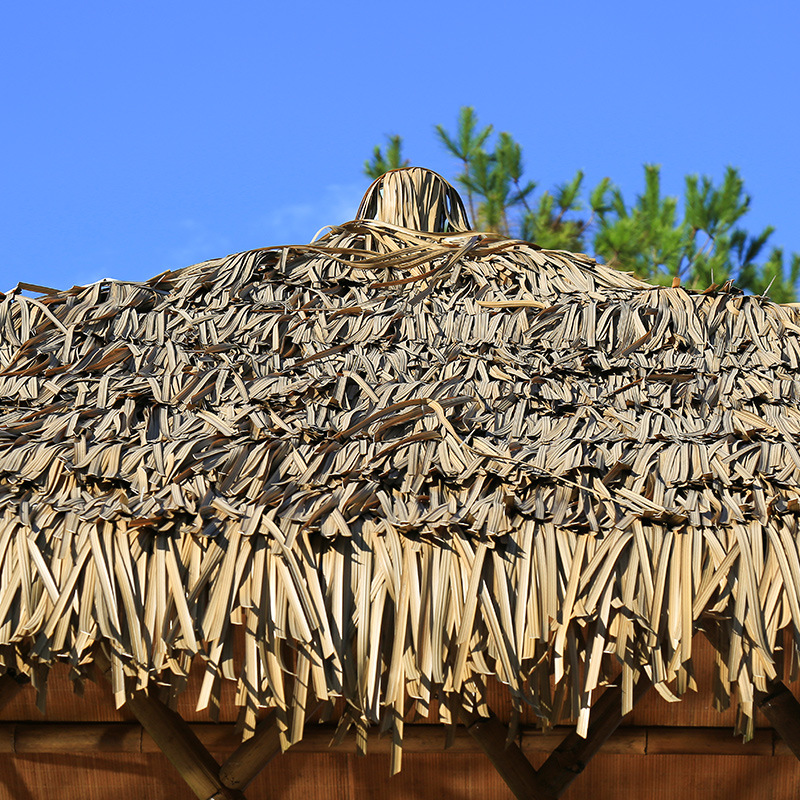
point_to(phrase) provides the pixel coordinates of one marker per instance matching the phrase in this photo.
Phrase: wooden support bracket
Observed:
(181, 746)
(509, 761)
(208, 781)
(251, 756)
(778, 704)
(782, 710)
(177, 741)
(570, 758)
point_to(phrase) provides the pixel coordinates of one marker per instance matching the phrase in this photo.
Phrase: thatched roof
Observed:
(397, 462)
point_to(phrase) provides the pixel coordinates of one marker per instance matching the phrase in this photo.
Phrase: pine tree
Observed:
(697, 241)
(379, 163)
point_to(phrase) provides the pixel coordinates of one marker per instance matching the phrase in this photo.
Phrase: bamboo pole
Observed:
(251, 756)
(683, 740)
(71, 737)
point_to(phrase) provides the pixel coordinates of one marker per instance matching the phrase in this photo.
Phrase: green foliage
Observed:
(697, 241)
(701, 247)
(380, 163)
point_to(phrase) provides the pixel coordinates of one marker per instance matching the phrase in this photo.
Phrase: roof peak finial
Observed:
(415, 198)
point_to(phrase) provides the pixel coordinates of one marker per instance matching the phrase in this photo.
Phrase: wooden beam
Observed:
(704, 741)
(251, 756)
(782, 710)
(570, 758)
(508, 759)
(219, 738)
(181, 746)
(76, 737)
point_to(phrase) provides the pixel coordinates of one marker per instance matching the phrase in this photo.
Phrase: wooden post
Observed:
(570, 758)
(782, 710)
(509, 761)
(252, 756)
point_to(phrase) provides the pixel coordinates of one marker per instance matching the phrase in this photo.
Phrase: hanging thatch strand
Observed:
(399, 461)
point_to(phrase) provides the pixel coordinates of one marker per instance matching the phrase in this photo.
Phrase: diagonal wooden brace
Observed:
(181, 746)
(252, 756)
(782, 710)
(177, 742)
(570, 758)
(509, 761)
(778, 704)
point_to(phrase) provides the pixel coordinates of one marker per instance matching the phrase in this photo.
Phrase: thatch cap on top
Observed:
(415, 198)
(396, 462)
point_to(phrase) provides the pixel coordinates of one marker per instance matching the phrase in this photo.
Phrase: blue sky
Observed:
(139, 137)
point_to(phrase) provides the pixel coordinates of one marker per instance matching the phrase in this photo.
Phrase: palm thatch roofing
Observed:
(393, 463)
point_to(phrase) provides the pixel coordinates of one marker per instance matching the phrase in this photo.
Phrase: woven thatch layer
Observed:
(415, 459)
